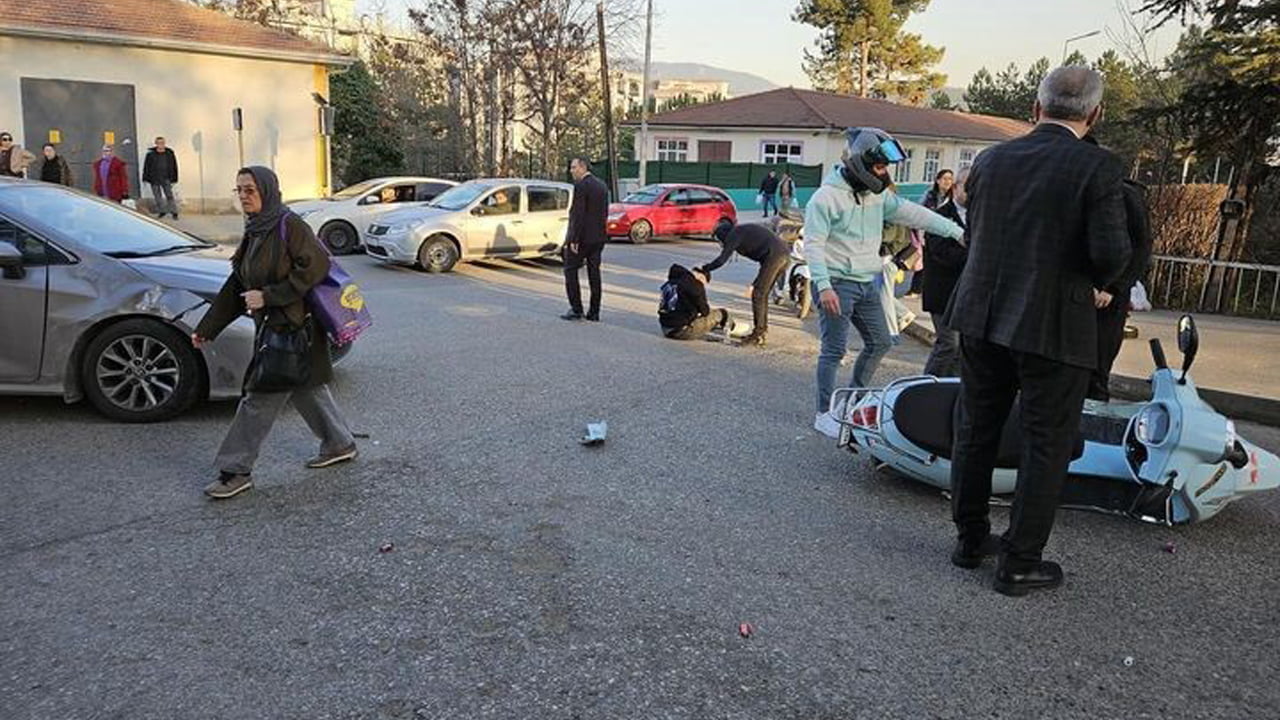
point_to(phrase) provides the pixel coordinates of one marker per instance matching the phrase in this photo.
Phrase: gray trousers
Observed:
(944, 359)
(258, 412)
(166, 203)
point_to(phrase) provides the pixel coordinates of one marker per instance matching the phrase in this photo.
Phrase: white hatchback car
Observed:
(339, 219)
(493, 218)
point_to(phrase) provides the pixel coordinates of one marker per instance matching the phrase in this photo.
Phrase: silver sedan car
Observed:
(99, 302)
(339, 219)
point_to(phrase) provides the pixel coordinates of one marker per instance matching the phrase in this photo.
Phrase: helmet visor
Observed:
(887, 152)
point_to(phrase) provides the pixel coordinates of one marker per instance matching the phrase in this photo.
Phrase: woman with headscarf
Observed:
(270, 278)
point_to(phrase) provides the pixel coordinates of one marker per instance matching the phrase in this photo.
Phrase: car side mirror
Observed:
(371, 200)
(11, 262)
(478, 211)
(1188, 343)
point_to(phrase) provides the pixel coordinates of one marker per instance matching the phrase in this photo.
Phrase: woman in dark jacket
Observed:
(270, 278)
(55, 169)
(940, 193)
(944, 259)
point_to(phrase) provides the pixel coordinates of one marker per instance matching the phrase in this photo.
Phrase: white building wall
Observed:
(188, 98)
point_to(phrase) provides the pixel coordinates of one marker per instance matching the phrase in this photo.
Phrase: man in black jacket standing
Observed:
(1046, 227)
(584, 241)
(769, 192)
(160, 170)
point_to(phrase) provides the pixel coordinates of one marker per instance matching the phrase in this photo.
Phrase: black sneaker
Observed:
(324, 461)
(572, 316)
(228, 485)
(754, 339)
(593, 317)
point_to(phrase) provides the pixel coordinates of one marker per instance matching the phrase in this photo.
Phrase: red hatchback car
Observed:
(669, 210)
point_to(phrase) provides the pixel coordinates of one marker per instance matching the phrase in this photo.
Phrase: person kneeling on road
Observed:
(758, 243)
(683, 312)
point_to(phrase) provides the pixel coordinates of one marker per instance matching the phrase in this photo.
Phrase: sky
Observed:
(759, 37)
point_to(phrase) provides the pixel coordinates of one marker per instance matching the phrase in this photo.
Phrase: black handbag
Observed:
(281, 358)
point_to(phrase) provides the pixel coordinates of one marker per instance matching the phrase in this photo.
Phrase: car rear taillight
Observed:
(866, 416)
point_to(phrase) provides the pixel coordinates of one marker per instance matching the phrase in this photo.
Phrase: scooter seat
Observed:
(925, 415)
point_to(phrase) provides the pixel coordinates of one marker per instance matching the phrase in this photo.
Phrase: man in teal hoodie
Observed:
(843, 226)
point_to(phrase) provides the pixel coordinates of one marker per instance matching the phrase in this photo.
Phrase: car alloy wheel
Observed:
(641, 231)
(137, 373)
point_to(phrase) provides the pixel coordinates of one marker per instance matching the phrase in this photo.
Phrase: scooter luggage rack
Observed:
(877, 394)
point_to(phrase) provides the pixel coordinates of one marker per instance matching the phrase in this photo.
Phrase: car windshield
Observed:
(94, 224)
(356, 190)
(457, 198)
(644, 196)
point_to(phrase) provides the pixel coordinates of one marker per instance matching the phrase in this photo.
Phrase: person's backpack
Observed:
(670, 298)
(336, 301)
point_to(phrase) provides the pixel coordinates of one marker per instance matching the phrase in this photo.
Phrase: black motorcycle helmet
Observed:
(864, 148)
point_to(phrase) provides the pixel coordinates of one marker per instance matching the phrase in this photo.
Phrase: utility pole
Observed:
(608, 103)
(644, 95)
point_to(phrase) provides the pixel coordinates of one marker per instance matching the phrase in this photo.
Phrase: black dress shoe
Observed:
(1045, 576)
(593, 317)
(970, 555)
(572, 316)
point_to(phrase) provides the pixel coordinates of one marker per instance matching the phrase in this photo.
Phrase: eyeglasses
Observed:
(245, 190)
(5, 138)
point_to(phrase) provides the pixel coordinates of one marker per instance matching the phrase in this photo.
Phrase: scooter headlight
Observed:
(1151, 427)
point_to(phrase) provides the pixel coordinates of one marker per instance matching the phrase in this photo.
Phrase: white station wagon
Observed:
(492, 218)
(339, 219)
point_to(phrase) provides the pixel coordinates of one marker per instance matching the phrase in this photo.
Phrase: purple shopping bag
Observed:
(336, 301)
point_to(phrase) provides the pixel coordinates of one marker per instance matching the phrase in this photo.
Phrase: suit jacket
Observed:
(588, 213)
(1046, 227)
(944, 260)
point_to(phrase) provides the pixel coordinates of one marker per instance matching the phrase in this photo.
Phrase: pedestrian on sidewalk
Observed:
(683, 312)
(843, 231)
(585, 239)
(786, 192)
(54, 168)
(14, 159)
(944, 258)
(769, 193)
(754, 242)
(1046, 227)
(160, 171)
(110, 180)
(1113, 301)
(270, 278)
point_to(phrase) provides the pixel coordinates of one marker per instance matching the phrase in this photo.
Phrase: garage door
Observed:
(82, 116)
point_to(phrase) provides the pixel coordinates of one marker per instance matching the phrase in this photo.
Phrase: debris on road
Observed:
(746, 629)
(1170, 548)
(1128, 661)
(596, 433)
(386, 548)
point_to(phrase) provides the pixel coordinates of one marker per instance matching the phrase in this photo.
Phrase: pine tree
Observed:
(366, 141)
(862, 49)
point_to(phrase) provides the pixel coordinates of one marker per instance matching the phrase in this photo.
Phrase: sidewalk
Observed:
(226, 229)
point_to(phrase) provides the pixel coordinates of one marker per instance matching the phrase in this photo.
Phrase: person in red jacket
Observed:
(110, 180)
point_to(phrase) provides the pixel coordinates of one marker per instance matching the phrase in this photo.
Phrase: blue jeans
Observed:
(770, 200)
(859, 305)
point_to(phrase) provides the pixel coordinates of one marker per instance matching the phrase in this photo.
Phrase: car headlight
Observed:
(1151, 427)
(615, 217)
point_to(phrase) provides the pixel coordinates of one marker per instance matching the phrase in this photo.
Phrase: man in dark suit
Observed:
(585, 239)
(1046, 228)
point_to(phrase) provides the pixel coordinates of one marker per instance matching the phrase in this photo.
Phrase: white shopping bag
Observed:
(1138, 300)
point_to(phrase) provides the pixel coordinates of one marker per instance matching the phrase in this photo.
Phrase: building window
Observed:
(902, 173)
(774, 151)
(673, 149)
(932, 163)
(966, 157)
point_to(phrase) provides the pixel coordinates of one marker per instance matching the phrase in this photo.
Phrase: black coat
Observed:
(691, 303)
(769, 186)
(1139, 224)
(160, 168)
(944, 260)
(588, 213)
(1046, 227)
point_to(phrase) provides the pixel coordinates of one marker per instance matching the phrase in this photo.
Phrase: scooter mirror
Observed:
(1188, 342)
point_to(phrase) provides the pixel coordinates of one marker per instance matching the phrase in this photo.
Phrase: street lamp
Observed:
(1073, 39)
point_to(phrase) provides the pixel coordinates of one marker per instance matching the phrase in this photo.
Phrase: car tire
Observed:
(641, 232)
(141, 371)
(340, 237)
(438, 254)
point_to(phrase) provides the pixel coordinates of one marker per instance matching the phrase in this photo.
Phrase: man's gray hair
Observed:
(1070, 93)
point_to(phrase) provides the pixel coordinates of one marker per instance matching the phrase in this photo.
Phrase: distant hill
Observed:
(740, 83)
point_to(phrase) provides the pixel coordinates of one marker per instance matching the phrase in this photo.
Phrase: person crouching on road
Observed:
(843, 228)
(684, 313)
(270, 277)
(759, 243)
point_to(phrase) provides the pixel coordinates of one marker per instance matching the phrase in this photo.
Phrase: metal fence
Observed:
(1201, 285)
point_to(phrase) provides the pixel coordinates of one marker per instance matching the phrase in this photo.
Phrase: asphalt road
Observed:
(534, 578)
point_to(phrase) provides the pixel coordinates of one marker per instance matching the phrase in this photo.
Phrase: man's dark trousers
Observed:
(1111, 322)
(588, 255)
(770, 270)
(1053, 397)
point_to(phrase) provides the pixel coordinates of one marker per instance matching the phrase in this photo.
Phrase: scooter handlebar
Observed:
(1157, 355)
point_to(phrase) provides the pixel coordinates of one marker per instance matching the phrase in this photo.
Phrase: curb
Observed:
(1234, 405)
